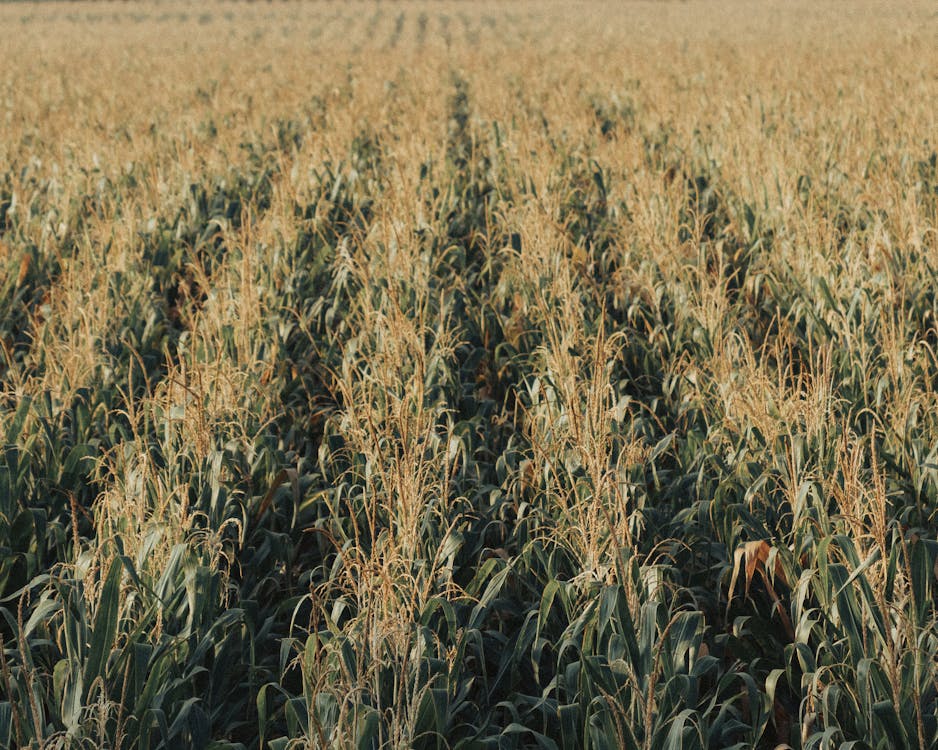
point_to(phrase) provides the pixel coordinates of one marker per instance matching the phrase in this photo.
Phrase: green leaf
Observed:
(889, 719)
(19, 418)
(6, 724)
(105, 626)
(368, 730)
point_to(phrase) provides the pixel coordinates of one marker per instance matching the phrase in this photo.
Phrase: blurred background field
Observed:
(469, 375)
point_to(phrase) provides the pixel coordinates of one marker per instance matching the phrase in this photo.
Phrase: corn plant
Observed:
(455, 376)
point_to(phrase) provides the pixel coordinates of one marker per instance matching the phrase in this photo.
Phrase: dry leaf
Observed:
(24, 270)
(754, 558)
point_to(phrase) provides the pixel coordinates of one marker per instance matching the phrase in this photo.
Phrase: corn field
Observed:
(463, 375)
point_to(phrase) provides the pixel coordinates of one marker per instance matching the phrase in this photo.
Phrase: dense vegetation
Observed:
(469, 375)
